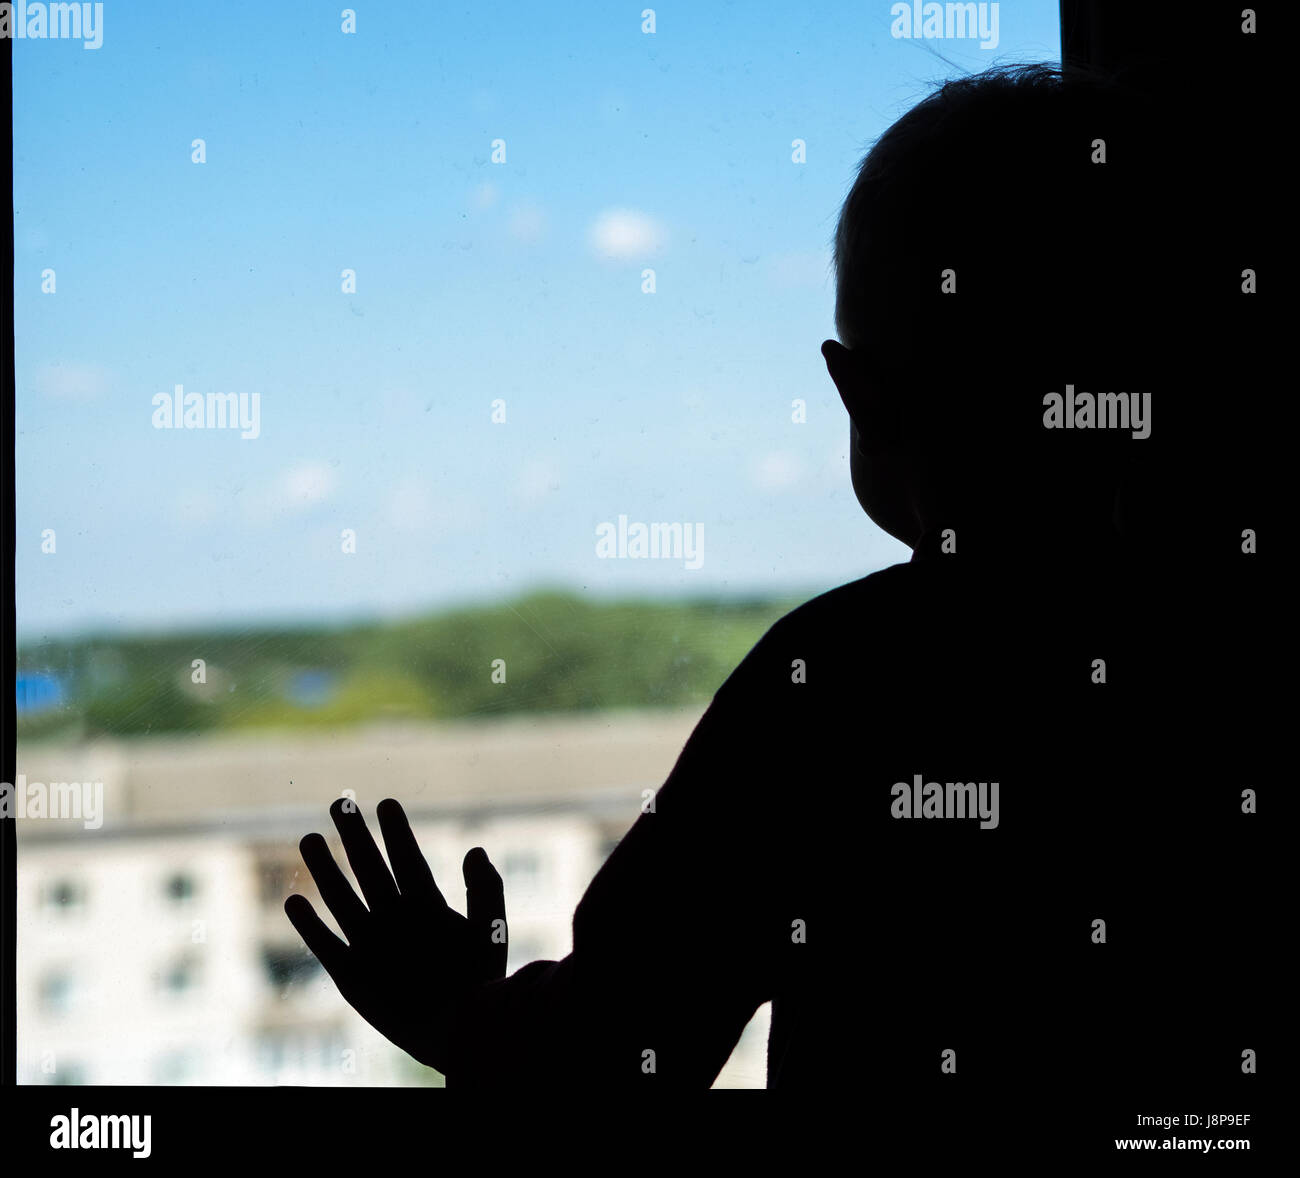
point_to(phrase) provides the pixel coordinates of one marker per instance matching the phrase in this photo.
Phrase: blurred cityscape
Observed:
(152, 942)
(480, 327)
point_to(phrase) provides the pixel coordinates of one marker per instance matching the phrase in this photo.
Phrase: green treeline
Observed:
(561, 652)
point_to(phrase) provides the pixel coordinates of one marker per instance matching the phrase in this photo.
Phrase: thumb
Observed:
(485, 903)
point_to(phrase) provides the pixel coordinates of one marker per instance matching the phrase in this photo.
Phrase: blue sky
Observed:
(475, 280)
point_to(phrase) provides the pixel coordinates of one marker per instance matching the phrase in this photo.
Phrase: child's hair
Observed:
(986, 254)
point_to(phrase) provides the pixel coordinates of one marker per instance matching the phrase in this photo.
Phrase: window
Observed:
(181, 976)
(179, 1066)
(376, 427)
(522, 868)
(303, 1049)
(180, 887)
(60, 990)
(63, 895)
(69, 1072)
(275, 881)
(285, 965)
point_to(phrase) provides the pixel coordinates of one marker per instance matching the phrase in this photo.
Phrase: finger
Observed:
(329, 950)
(485, 904)
(333, 886)
(363, 855)
(411, 869)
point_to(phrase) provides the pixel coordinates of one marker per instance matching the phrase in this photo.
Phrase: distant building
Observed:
(155, 950)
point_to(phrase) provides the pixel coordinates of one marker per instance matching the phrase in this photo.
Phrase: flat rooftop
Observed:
(262, 779)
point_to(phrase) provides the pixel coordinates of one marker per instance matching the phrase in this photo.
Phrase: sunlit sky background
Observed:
(475, 281)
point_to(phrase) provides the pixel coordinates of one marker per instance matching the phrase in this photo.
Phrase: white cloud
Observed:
(485, 195)
(527, 224)
(294, 492)
(626, 234)
(777, 471)
(307, 485)
(71, 382)
(301, 488)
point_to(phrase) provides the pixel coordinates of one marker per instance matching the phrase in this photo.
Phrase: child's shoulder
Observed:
(858, 601)
(842, 624)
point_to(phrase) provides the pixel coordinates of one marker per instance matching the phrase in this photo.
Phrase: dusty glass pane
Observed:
(349, 367)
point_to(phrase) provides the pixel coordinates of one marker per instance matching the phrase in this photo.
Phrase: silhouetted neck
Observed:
(1046, 543)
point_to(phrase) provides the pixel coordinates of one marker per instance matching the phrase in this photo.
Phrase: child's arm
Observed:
(683, 933)
(678, 940)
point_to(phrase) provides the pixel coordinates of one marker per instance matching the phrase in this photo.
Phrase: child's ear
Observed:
(847, 375)
(874, 413)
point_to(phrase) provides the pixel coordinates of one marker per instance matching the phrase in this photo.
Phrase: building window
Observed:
(286, 966)
(180, 887)
(275, 879)
(64, 894)
(58, 992)
(522, 868)
(177, 1067)
(182, 976)
(300, 1049)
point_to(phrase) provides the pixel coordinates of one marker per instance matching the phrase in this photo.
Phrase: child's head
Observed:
(985, 257)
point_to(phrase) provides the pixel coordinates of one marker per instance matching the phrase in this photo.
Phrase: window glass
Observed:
(430, 409)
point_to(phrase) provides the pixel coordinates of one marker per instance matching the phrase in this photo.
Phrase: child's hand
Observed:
(410, 959)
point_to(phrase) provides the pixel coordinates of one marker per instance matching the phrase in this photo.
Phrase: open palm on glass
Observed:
(410, 959)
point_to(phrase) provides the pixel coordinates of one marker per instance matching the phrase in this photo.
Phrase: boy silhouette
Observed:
(904, 814)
